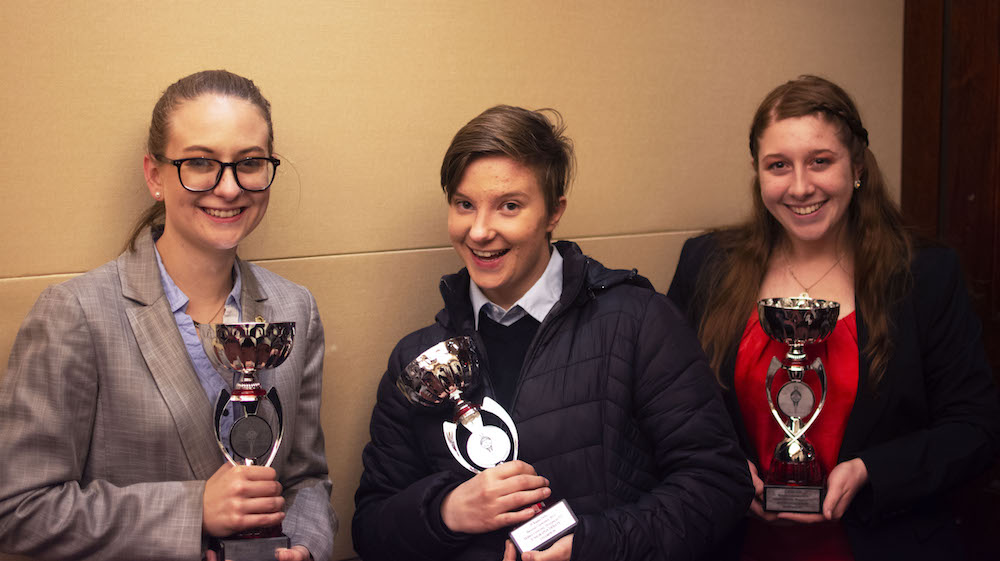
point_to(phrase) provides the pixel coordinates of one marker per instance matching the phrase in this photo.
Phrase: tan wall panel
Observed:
(658, 96)
(654, 255)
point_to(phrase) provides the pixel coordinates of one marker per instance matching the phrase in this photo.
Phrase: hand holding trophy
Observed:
(479, 436)
(243, 350)
(795, 481)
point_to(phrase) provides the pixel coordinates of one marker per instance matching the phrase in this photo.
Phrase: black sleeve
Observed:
(955, 427)
(705, 488)
(398, 503)
(683, 289)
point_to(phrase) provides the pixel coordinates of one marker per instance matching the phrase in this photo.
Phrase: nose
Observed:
(482, 228)
(228, 188)
(802, 185)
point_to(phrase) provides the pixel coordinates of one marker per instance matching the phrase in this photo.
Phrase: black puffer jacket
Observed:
(615, 405)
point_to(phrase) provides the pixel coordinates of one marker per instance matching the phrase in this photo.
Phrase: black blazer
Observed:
(931, 423)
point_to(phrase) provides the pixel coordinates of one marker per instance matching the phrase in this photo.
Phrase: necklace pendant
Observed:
(805, 295)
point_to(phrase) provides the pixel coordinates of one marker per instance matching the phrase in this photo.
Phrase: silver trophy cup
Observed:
(794, 482)
(440, 374)
(242, 350)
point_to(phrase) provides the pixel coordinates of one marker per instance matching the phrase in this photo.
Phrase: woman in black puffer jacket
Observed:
(611, 395)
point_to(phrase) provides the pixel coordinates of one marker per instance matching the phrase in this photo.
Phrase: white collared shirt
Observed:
(536, 302)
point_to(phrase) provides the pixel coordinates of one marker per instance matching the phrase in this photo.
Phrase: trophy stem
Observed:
(796, 353)
(468, 415)
(246, 387)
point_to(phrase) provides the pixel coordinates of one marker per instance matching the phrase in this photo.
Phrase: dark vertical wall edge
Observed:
(951, 182)
(922, 78)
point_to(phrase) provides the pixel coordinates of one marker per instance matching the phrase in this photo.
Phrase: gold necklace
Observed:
(223, 307)
(806, 289)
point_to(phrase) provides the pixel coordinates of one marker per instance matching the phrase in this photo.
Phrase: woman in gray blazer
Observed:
(108, 443)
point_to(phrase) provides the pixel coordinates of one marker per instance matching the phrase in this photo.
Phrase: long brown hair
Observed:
(881, 246)
(221, 82)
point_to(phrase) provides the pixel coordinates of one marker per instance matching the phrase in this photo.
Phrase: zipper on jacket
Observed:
(554, 314)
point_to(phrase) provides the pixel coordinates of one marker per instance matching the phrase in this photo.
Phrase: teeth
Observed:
(801, 210)
(223, 213)
(488, 254)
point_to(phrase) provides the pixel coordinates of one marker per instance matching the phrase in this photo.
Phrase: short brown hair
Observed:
(525, 136)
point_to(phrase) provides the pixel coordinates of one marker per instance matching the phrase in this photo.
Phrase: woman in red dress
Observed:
(911, 409)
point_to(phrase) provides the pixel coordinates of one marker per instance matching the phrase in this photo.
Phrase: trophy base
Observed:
(545, 528)
(252, 549)
(794, 498)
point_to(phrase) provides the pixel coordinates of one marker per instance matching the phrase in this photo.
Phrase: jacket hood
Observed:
(583, 278)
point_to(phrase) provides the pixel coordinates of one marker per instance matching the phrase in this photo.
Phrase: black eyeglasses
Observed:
(204, 174)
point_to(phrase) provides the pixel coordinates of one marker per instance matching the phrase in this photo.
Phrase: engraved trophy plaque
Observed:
(243, 350)
(795, 480)
(478, 436)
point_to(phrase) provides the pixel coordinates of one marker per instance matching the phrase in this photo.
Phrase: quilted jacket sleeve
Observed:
(705, 488)
(398, 503)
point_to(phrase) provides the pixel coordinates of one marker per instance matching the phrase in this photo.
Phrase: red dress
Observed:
(839, 353)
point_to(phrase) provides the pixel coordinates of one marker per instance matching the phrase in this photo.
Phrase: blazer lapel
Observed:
(253, 298)
(865, 413)
(169, 364)
(255, 307)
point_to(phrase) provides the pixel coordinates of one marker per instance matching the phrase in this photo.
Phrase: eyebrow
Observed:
(809, 154)
(197, 148)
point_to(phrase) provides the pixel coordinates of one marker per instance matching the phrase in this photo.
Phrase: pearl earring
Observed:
(857, 184)
(157, 195)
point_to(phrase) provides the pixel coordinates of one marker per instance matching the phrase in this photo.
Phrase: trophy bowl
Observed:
(798, 321)
(439, 373)
(245, 348)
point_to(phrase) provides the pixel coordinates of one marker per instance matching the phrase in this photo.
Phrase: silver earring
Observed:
(857, 184)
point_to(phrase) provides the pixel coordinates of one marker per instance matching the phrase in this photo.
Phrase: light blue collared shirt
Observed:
(536, 302)
(211, 380)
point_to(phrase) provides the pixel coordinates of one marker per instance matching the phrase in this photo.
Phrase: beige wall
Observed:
(366, 95)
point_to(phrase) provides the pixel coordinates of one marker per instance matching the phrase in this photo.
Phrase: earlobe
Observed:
(152, 174)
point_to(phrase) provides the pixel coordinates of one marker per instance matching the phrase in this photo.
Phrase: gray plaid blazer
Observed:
(106, 435)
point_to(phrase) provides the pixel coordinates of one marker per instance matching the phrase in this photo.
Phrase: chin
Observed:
(225, 245)
(486, 283)
(810, 236)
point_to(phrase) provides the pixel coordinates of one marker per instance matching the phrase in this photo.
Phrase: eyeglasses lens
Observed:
(203, 174)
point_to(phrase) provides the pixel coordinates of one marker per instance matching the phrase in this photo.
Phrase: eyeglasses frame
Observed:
(222, 170)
